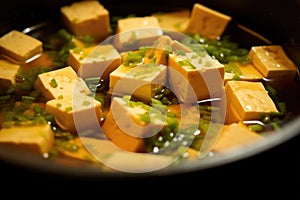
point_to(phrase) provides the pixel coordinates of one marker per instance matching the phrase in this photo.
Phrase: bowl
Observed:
(257, 22)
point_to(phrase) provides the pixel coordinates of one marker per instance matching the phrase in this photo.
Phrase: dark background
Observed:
(273, 172)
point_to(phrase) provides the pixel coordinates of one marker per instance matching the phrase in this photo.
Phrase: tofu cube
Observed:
(235, 135)
(141, 81)
(272, 62)
(37, 138)
(63, 81)
(247, 101)
(115, 158)
(195, 76)
(245, 72)
(175, 20)
(127, 119)
(207, 22)
(94, 61)
(164, 45)
(20, 47)
(134, 32)
(75, 113)
(86, 18)
(7, 76)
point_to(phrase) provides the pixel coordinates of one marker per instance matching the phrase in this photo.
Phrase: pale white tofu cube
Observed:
(94, 61)
(75, 113)
(195, 76)
(141, 81)
(130, 121)
(134, 32)
(63, 81)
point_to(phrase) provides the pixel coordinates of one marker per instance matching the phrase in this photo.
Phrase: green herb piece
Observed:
(53, 83)
(68, 109)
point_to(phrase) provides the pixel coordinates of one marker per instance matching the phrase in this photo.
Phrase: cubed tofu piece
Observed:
(120, 160)
(131, 122)
(156, 56)
(207, 22)
(244, 72)
(141, 81)
(63, 81)
(94, 61)
(75, 113)
(164, 45)
(272, 62)
(195, 76)
(87, 18)
(19, 46)
(247, 101)
(81, 152)
(175, 20)
(235, 135)
(7, 76)
(134, 32)
(39, 138)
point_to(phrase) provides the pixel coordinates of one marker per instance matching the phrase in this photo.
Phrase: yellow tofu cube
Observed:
(38, 138)
(175, 20)
(245, 72)
(129, 121)
(75, 113)
(63, 81)
(247, 101)
(94, 61)
(207, 22)
(141, 81)
(194, 76)
(160, 49)
(156, 56)
(235, 135)
(134, 32)
(118, 159)
(272, 62)
(8, 73)
(86, 18)
(20, 47)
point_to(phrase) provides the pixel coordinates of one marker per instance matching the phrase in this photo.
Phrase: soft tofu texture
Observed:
(8, 73)
(159, 50)
(68, 83)
(134, 32)
(245, 72)
(207, 22)
(140, 81)
(94, 61)
(174, 21)
(235, 135)
(195, 76)
(20, 47)
(247, 101)
(167, 43)
(86, 18)
(272, 62)
(116, 159)
(130, 122)
(76, 113)
(39, 138)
